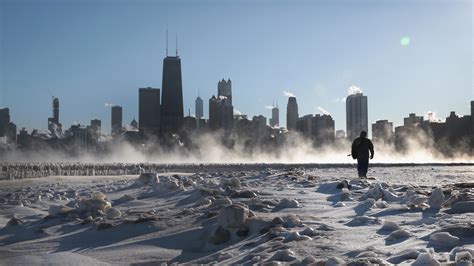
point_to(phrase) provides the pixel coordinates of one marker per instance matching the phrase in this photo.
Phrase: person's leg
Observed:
(364, 167)
(359, 168)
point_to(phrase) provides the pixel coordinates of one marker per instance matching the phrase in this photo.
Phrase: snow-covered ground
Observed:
(420, 215)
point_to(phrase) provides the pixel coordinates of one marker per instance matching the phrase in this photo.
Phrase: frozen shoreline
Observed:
(292, 215)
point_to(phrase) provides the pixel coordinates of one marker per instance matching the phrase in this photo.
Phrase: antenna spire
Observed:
(166, 40)
(176, 44)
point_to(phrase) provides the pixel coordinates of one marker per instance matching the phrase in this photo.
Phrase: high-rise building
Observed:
(259, 125)
(96, 126)
(149, 118)
(275, 120)
(323, 129)
(172, 95)
(382, 131)
(224, 88)
(291, 113)
(116, 119)
(11, 133)
(356, 115)
(4, 120)
(54, 127)
(199, 108)
(221, 114)
(412, 120)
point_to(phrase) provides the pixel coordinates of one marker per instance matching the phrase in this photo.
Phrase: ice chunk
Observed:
(287, 203)
(340, 204)
(436, 199)
(283, 255)
(456, 250)
(390, 226)
(113, 213)
(398, 235)
(425, 259)
(463, 257)
(335, 261)
(232, 216)
(462, 207)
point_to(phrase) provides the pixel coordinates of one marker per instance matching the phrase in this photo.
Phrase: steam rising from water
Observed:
(322, 110)
(288, 94)
(353, 90)
(210, 150)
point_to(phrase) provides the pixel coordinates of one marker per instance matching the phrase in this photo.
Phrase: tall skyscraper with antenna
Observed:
(199, 107)
(172, 92)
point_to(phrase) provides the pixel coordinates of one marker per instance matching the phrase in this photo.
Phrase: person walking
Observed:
(360, 151)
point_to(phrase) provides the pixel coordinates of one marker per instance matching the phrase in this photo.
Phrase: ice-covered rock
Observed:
(287, 203)
(463, 258)
(375, 192)
(203, 202)
(94, 204)
(219, 202)
(308, 231)
(436, 199)
(285, 255)
(425, 259)
(389, 226)
(381, 204)
(232, 216)
(310, 260)
(57, 210)
(344, 195)
(15, 221)
(340, 204)
(113, 213)
(398, 235)
(97, 195)
(295, 236)
(220, 236)
(365, 206)
(456, 250)
(147, 179)
(335, 261)
(417, 200)
(363, 220)
(444, 239)
(233, 182)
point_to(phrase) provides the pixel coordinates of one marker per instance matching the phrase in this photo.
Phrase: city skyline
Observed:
(262, 86)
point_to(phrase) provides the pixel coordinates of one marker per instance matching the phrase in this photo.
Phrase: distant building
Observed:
(149, 110)
(303, 125)
(220, 113)
(134, 124)
(412, 120)
(199, 108)
(275, 120)
(323, 129)
(24, 139)
(382, 131)
(340, 134)
(356, 115)
(82, 138)
(116, 120)
(96, 126)
(11, 133)
(224, 88)
(259, 125)
(4, 121)
(291, 113)
(172, 95)
(54, 126)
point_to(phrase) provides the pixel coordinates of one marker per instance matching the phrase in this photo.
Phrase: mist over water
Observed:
(208, 148)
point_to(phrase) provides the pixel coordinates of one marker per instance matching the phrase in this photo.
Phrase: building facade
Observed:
(116, 119)
(172, 95)
(356, 115)
(291, 113)
(149, 110)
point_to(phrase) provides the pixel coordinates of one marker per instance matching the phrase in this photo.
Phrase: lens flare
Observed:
(405, 41)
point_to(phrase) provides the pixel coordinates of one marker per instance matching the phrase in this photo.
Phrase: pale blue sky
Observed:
(89, 53)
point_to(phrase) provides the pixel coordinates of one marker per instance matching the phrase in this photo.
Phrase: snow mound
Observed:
(444, 239)
(363, 220)
(287, 203)
(436, 199)
(113, 213)
(398, 235)
(456, 250)
(340, 204)
(285, 255)
(295, 236)
(220, 202)
(57, 210)
(417, 201)
(147, 179)
(344, 195)
(232, 216)
(389, 226)
(463, 258)
(425, 259)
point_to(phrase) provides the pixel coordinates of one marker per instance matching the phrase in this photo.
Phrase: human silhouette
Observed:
(360, 151)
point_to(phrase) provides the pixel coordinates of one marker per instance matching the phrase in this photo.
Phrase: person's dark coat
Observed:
(361, 148)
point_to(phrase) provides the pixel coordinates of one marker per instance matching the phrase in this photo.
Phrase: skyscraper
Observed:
(149, 110)
(382, 131)
(116, 119)
(53, 122)
(275, 120)
(356, 115)
(224, 88)
(96, 125)
(291, 113)
(172, 97)
(199, 108)
(4, 120)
